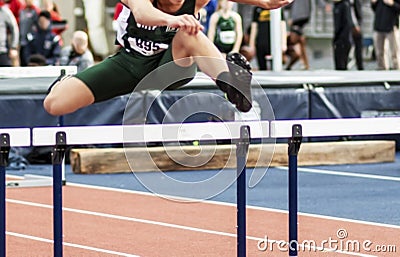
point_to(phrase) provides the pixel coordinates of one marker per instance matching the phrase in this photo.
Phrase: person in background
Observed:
(343, 25)
(206, 12)
(386, 27)
(77, 54)
(59, 25)
(300, 13)
(43, 41)
(260, 36)
(28, 20)
(15, 6)
(117, 10)
(36, 60)
(225, 28)
(9, 36)
(356, 15)
(245, 49)
(292, 53)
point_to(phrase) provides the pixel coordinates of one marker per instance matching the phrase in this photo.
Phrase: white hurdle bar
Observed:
(45, 136)
(19, 137)
(37, 71)
(337, 127)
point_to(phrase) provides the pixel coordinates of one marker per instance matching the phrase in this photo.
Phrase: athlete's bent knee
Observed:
(50, 105)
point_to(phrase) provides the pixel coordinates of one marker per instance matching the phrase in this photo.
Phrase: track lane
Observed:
(147, 225)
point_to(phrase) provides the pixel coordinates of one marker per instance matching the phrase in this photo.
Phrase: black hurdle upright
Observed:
(61, 124)
(58, 154)
(242, 147)
(294, 147)
(4, 154)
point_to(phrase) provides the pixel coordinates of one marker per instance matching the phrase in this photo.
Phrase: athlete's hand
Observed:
(187, 23)
(274, 4)
(389, 2)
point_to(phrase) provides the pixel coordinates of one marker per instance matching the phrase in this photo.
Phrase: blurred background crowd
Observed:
(313, 34)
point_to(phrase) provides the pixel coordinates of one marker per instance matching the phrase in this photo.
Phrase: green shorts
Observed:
(125, 72)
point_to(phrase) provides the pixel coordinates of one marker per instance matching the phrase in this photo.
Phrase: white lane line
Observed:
(345, 174)
(259, 208)
(123, 218)
(170, 225)
(44, 240)
(127, 191)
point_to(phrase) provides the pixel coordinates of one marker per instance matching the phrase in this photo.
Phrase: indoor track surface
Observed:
(346, 210)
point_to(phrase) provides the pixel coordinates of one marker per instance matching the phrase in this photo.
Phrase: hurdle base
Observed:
(30, 180)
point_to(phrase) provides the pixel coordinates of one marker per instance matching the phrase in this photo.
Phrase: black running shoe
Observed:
(237, 82)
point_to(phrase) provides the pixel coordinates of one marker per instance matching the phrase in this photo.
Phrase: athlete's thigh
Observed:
(171, 73)
(114, 76)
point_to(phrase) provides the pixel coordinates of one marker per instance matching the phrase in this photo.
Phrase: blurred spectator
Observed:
(28, 19)
(386, 27)
(300, 13)
(59, 25)
(292, 52)
(343, 25)
(77, 54)
(206, 12)
(245, 49)
(9, 36)
(117, 10)
(43, 41)
(260, 38)
(356, 15)
(15, 6)
(225, 28)
(37, 60)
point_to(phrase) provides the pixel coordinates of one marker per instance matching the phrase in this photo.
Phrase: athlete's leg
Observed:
(67, 95)
(232, 77)
(187, 49)
(114, 76)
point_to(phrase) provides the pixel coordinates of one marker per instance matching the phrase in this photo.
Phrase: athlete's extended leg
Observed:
(114, 76)
(233, 79)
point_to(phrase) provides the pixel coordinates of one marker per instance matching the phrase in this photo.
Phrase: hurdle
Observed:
(18, 137)
(35, 72)
(238, 132)
(295, 130)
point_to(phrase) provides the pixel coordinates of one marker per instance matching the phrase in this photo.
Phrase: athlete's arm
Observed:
(266, 4)
(145, 13)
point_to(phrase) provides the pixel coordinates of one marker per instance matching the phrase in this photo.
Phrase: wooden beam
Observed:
(176, 158)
